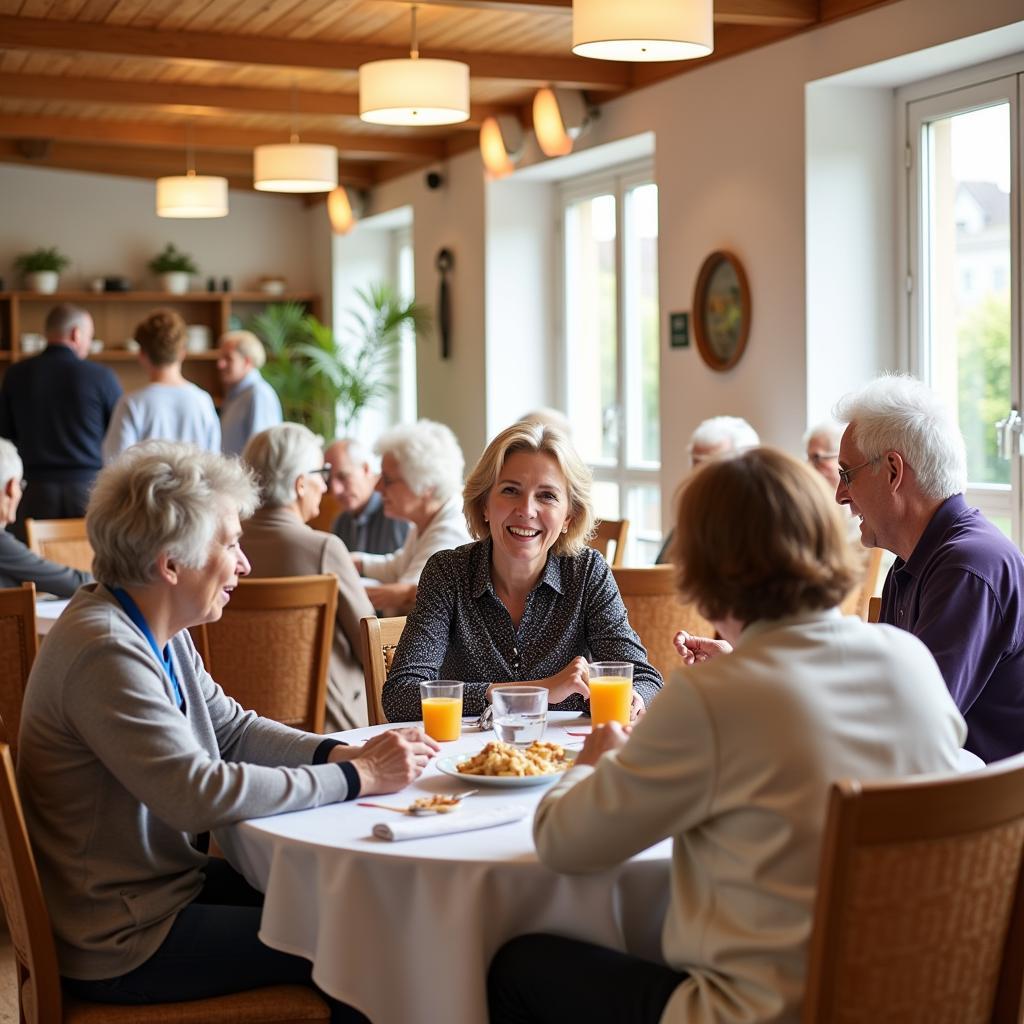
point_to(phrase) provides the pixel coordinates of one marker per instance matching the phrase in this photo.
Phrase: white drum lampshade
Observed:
(295, 167)
(643, 30)
(192, 195)
(414, 91)
(501, 144)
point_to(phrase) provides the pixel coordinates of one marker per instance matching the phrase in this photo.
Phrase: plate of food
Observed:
(505, 766)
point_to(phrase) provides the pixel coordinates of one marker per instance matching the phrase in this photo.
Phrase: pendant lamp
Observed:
(501, 144)
(642, 30)
(414, 90)
(295, 167)
(191, 195)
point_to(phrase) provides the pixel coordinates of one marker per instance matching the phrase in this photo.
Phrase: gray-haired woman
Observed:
(289, 466)
(129, 752)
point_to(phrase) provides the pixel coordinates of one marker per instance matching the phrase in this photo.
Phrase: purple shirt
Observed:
(960, 593)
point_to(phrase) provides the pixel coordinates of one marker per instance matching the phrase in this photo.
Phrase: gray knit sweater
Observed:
(117, 782)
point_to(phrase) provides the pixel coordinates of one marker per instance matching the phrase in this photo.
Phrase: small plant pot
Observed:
(175, 282)
(43, 281)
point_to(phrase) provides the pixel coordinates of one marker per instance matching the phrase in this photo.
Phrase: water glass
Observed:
(441, 703)
(520, 713)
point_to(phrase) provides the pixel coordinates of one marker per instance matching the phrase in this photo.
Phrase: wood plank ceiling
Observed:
(120, 86)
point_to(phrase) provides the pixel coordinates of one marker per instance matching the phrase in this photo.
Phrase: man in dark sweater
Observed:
(55, 407)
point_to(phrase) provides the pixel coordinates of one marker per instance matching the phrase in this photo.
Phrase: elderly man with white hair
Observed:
(957, 583)
(250, 403)
(17, 564)
(420, 481)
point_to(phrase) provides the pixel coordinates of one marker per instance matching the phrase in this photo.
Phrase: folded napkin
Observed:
(461, 820)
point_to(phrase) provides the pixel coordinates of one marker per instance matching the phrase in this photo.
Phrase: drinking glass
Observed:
(520, 713)
(441, 702)
(611, 691)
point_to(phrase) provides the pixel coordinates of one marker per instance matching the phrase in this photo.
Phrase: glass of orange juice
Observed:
(611, 691)
(441, 702)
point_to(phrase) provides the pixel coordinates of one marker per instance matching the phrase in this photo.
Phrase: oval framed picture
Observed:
(721, 311)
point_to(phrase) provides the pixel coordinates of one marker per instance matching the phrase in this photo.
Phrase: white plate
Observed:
(448, 766)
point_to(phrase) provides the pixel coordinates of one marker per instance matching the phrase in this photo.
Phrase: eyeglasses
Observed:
(324, 472)
(846, 475)
(816, 458)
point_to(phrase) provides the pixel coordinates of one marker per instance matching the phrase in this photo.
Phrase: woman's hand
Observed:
(572, 679)
(393, 598)
(637, 707)
(610, 736)
(391, 760)
(696, 649)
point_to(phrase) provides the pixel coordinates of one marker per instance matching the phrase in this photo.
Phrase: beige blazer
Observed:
(278, 544)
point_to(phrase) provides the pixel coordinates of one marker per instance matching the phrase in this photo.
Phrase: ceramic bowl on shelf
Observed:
(273, 285)
(198, 338)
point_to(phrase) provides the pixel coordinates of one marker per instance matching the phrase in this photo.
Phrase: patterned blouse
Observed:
(459, 629)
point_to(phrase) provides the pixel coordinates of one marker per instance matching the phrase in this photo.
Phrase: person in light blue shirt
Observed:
(250, 404)
(169, 408)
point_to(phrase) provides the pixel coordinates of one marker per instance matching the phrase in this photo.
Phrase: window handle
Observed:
(1005, 430)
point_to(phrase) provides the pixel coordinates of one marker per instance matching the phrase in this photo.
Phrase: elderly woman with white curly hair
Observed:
(420, 481)
(289, 466)
(129, 752)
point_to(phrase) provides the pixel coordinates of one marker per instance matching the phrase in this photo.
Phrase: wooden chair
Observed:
(60, 540)
(656, 612)
(874, 609)
(920, 906)
(611, 531)
(380, 641)
(39, 988)
(857, 602)
(271, 649)
(18, 646)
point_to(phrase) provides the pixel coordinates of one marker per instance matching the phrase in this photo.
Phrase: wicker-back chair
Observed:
(18, 645)
(271, 648)
(63, 541)
(858, 601)
(656, 612)
(920, 907)
(380, 641)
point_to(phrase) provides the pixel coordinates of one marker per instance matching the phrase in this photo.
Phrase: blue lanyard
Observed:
(164, 656)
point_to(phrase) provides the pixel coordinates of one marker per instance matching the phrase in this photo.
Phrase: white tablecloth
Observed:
(405, 931)
(47, 613)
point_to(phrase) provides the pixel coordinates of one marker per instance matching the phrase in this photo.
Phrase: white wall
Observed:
(108, 226)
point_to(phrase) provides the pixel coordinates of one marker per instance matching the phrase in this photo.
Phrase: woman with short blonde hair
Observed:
(528, 601)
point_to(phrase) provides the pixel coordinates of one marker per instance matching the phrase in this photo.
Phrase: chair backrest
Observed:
(858, 601)
(920, 906)
(380, 641)
(271, 649)
(611, 532)
(60, 540)
(874, 609)
(27, 917)
(18, 645)
(657, 613)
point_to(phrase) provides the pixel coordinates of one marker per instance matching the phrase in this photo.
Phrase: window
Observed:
(610, 327)
(965, 339)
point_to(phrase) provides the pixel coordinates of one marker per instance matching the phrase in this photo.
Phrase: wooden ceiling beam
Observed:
(95, 37)
(211, 99)
(213, 137)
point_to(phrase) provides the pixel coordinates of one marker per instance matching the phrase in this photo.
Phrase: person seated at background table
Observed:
(528, 602)
(250, 403)
(716, 436)
(420, 478)
(168, 408)
(290, 470)
(734, 763)
(822, 444)
(361, 524)
(17, 563)
(129, 752)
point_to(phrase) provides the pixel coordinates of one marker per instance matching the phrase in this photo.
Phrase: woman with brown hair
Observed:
(733, 762)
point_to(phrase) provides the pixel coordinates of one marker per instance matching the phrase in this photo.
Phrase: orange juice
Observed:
(610, 697)
(442, 717)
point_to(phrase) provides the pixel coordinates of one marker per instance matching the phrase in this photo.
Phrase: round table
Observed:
(405, 931)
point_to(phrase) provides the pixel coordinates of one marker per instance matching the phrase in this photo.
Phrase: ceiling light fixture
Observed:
(414, 90)
(340, 211)
(643, 30)
(295, 166)
(501, 144)
(191, 195)
(559, 115)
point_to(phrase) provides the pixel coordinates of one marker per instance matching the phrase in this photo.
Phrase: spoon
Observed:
(419, 812)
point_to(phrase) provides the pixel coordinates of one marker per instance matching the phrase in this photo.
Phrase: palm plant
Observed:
(323, 382)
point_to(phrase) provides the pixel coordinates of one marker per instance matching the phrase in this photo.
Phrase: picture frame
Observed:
(721, 311)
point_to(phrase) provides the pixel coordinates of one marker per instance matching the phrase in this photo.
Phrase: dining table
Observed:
(48, 610)
(404, 931)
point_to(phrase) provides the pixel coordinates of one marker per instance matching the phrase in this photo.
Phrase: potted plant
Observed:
(323, 382)
(41, 268)
(174, 268)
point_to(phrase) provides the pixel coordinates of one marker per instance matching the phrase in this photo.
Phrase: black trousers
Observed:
(211, 950)
(547, 979)
(47, 499)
